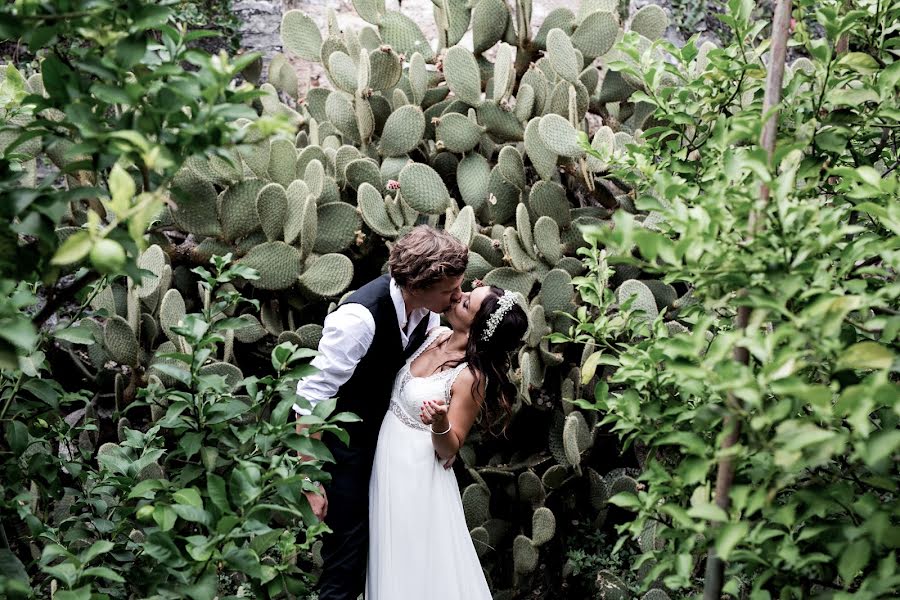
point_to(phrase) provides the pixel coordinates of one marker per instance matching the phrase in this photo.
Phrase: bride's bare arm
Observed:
(458, 419)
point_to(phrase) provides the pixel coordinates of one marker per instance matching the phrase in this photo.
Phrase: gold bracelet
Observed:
(441, 432)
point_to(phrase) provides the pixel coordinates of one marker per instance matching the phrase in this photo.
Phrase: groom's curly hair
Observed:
(425, 256)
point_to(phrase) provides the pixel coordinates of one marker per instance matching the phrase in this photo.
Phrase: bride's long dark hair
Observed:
(490, 358)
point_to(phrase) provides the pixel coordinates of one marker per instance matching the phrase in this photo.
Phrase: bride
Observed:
(419, 544)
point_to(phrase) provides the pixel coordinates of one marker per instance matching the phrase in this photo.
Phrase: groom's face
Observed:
(443, 294)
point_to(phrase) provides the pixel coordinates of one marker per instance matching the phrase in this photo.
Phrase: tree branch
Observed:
(59, 296)
(715, 566)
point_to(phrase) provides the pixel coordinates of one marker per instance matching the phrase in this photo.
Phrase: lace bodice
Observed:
(411, 391)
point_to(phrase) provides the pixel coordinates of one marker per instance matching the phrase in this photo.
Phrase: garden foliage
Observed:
(813, 505)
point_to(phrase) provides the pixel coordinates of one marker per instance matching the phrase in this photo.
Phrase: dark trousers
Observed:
(345, 550)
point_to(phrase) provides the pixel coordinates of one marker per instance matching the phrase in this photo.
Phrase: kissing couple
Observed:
(393, 503)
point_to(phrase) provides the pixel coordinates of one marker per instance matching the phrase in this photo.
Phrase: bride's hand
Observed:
(434, 412)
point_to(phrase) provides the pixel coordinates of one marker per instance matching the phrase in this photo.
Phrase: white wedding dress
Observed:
(419, 544)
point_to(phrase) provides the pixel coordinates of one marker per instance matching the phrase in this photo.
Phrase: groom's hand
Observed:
(318, 502)
(450, 461)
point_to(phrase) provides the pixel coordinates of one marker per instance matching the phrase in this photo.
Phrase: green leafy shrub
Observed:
(207, 499)
(811, 511)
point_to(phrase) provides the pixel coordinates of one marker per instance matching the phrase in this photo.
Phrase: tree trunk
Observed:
(715, 566)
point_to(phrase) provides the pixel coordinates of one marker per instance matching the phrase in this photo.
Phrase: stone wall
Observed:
(260, 24)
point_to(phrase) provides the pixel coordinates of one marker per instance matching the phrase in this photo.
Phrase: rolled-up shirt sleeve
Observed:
(346, 337)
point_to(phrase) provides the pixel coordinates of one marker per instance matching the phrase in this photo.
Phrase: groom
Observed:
(364, 344)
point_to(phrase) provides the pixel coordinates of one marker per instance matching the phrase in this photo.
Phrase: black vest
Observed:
(368, 391)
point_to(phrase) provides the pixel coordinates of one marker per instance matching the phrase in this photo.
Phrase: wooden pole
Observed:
(715, 566)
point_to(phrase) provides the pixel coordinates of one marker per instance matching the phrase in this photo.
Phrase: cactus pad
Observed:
(458, 133)
(543, 526)
(643, 303)
(596, 34)
(542, 156)
(476, 505)
(271, 208)
(120, 341)
(559, 135)
(489, 20)
(402, 131)
(650, 21)
(462, 75)
(525, 555)
(510, 279)
(328, 276)
(423, 189)
(403, 35)
(337, 224)
(546, 236)
(278, 265)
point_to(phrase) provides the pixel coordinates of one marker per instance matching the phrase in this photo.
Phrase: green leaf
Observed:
(708, 511)
(160, 547)
(311, 447)
(729, 536)
(105, 573)
(65, 572)
(855, 557)
(188, 496)
(165, 517)
(75, 335)
(344, 417)
(200, 548)
(626, 500)
(866, 355)
(11, 566)
(82, 593)
(19, 332)
(190, 443)
(75, 248)
(145, 489)
(324, 408)
(17, 436)
(191, 513)
(176, 373)
(243, 560)
(218, 494)
(205, 589)
(96, 549)
(135, 138)
(226, 411)
(860, 62)
(852, 97)
(832, 139)
(122, 189)
(263, 542)
(881, 446)
(130, 50)
(110, 94)
(115, 460)
(13, 87)
(590, 367)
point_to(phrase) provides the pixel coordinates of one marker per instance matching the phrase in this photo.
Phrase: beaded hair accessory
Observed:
(506, 302)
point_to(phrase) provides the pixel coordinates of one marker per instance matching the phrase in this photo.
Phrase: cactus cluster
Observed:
(485, 141)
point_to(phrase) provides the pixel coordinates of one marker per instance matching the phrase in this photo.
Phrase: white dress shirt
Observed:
(347, 335)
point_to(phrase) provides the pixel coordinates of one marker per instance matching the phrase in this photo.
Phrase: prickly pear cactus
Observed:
(487, 141)
(486, 138)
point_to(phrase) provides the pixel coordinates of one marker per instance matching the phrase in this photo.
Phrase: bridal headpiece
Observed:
(506, 302)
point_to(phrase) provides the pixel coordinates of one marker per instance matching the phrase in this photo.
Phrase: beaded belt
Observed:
(406, 419)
